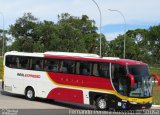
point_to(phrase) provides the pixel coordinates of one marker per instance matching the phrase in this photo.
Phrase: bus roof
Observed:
(129, 62)
(78, 56)
(72, 54)
(24, 54)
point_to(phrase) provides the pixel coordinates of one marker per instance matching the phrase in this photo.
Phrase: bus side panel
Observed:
(80, 80)
(17, 80)
(69, 95)
(44, 85)
(12, 83)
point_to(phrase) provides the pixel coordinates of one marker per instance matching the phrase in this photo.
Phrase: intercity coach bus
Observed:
(107, 83)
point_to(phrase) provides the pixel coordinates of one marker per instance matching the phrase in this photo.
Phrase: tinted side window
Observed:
(51, 65)
(84, 68)
(67, 66)
(118, 71)
(23, 62)
(17, 62)
(11, 61)
(101, 69)
(36, 64)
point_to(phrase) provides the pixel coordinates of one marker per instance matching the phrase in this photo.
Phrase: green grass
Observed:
(156, 95)
(155, 70)
(1, 61)
(156, 89)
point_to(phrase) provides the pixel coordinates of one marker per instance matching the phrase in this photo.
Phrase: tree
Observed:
(116, 47)
(23, 32)
(5, 38)
(154, 43)
(1, 41)
(136, 47)
(69, 34)
(46, 34)
(141, 43)
(78, 34)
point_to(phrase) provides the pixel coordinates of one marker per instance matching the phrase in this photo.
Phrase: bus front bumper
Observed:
(137, 106)
(133, 106)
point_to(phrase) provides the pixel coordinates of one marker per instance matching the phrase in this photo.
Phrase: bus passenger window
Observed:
(17, 62)
(11, 61)
(51, 65)
(23, 62)
(37, 64)
(62, 68)
(95, 69)
(77, 68)
(101, 69)
(67, 66)
(85, 68)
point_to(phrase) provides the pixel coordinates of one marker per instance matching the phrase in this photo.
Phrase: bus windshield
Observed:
(143, 82)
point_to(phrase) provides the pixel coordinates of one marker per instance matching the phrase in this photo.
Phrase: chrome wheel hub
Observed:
(29, 93)
(102, 104)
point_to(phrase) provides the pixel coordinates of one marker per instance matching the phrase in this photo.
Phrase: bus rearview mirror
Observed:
(155, 75)
(132, 81)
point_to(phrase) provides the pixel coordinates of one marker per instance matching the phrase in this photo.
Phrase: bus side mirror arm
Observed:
(132, 81)
(155, 76)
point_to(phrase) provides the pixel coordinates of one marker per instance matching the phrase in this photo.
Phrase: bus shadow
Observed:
(53, 102)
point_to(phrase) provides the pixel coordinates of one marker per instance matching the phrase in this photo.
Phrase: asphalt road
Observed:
(13, 101)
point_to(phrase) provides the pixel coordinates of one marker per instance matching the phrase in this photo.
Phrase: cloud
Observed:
(113, 35)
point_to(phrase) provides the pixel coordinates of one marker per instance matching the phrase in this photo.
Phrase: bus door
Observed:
(119, 79)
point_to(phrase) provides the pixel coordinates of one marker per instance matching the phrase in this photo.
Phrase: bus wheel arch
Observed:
(29, 93)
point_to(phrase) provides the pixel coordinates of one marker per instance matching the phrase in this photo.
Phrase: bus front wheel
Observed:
(101, 103)
(30, 94)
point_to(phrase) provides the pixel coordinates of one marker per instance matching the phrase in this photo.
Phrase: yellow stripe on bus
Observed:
(137, 100)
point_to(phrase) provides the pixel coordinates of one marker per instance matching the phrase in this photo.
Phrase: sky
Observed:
(137, 13)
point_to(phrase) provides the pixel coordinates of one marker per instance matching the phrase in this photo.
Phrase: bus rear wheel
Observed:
(101, 103)
(30, 94)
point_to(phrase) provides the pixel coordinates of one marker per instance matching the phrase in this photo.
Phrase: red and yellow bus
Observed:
(107, 83)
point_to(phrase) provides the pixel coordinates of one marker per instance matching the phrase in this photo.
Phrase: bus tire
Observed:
(30, 94)
(101, 103)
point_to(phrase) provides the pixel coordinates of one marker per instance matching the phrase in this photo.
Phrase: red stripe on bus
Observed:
(69, 95)
(81, 80)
